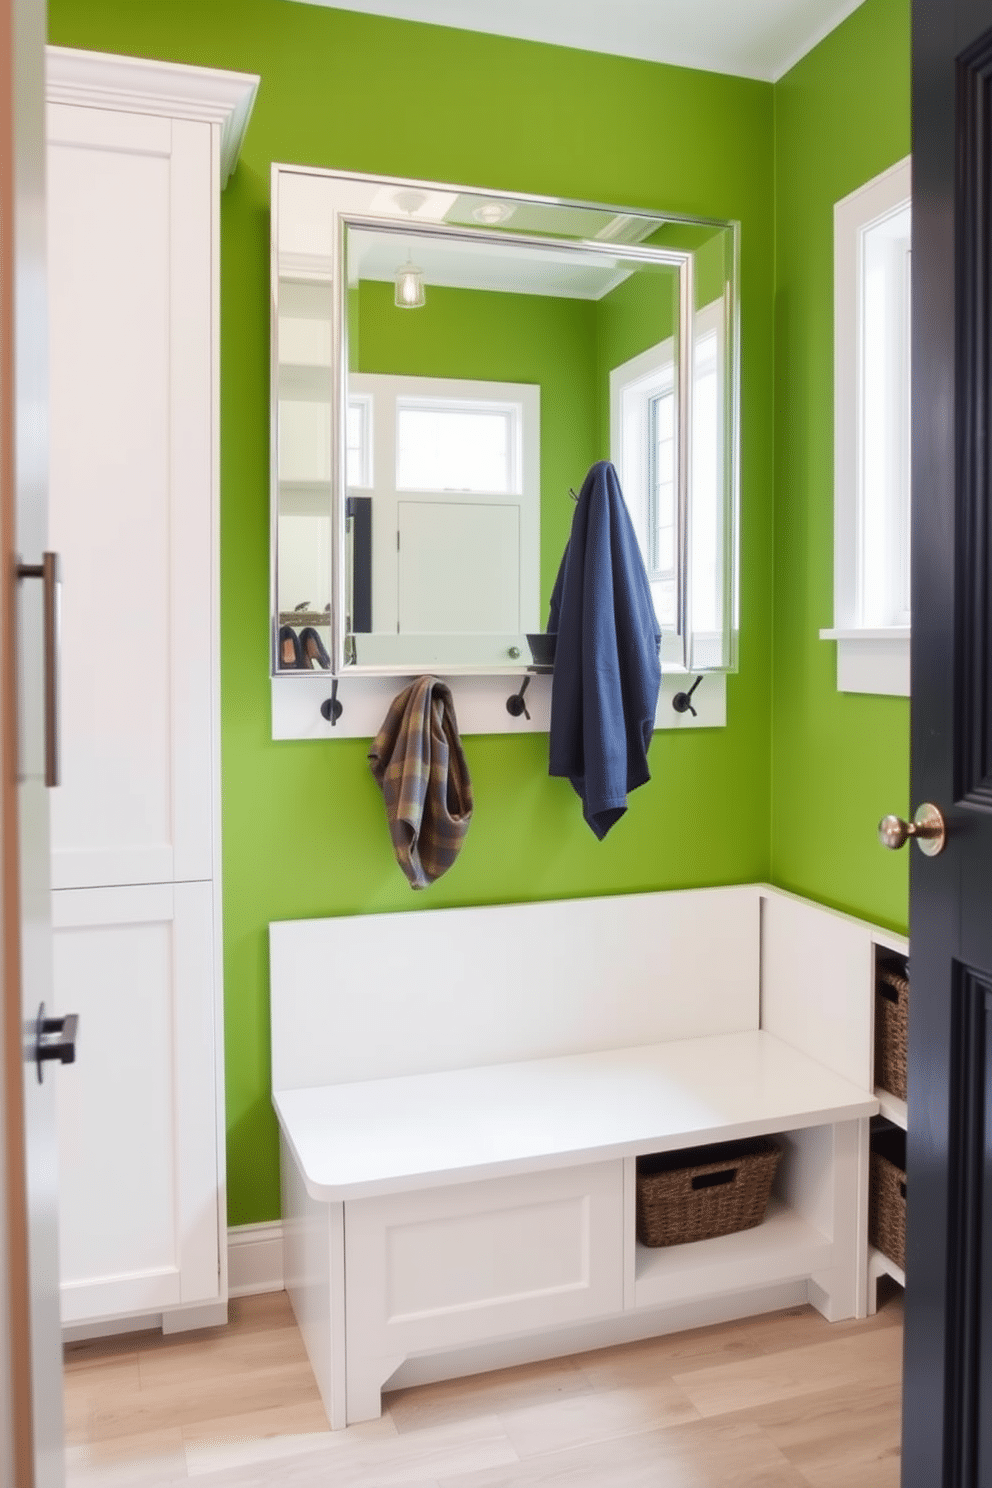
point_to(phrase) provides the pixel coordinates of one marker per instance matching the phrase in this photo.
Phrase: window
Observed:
(663, 516)
(872, 435)
(884, 433)
(645, 452)
(451, 445)
(359, 433)
(686, 551)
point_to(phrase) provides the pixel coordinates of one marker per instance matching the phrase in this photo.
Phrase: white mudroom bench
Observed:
(462, 1096)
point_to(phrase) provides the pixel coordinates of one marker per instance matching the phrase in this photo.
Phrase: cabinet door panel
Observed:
(458, 567)
(137, 1118)
(479, 1260)
(130, 278)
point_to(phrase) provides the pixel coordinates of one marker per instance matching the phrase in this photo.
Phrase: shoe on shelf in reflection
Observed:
(313, 649)
(290, 651)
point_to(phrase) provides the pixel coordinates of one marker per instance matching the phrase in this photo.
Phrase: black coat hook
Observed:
(515, 705)
(331, 708)
(682, 701)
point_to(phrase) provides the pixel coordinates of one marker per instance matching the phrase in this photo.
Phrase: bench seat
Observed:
(375, 1137)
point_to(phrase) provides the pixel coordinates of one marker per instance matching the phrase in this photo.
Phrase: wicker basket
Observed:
(887, 1196)
(891, 1028)
(715, 1190)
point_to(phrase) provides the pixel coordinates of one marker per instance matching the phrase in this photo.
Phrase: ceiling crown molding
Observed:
(139, 85)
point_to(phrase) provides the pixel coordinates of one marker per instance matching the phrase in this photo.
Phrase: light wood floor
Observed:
(782, 1401)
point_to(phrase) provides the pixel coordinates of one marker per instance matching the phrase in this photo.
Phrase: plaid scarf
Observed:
(418, 763)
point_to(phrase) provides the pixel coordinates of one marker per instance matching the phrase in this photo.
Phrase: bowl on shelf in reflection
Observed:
(542, 648)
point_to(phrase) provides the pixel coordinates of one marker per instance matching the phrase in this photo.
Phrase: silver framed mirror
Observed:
(447, 362)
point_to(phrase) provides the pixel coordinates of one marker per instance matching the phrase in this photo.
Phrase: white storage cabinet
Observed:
(136, 156)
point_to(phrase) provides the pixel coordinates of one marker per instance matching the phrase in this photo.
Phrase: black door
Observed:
(947, 1430)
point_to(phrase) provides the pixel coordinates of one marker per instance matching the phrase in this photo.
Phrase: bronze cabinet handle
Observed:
(48, 572)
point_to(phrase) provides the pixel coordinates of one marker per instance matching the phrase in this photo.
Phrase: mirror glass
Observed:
(447, 366)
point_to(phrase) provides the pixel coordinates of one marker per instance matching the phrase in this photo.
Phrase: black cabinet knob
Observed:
(55, 1038)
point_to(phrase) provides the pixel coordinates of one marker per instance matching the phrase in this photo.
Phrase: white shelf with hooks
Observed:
(480, 703)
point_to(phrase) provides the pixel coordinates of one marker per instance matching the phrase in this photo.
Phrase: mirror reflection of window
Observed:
(359, 434)
(644, 425)
(458, 447)
(644, 401)
(663, 496)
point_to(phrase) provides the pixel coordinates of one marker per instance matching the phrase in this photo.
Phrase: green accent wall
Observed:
(638, 314)
(840, 761)
(304, 828)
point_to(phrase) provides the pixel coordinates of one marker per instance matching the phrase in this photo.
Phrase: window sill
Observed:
(875, 661)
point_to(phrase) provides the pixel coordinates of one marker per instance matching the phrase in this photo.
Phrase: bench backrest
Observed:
(366, 997)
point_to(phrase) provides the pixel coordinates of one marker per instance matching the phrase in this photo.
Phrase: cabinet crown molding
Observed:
(142, 85)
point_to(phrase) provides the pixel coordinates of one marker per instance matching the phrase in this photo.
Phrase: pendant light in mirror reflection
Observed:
(409, 287)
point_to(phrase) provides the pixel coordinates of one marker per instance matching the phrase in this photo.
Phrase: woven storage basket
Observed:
(707, 1191)
(887, 1196)
(891, 1029)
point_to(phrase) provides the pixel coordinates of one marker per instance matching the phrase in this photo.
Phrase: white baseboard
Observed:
(192, 1319)
(150, 1322)
(174, 1320)
(254, 1265)
(254, 1259)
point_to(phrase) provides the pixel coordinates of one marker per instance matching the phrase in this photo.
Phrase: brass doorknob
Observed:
(927, 827)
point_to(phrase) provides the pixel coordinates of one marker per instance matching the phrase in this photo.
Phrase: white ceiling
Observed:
(751, 38)
(515, 268)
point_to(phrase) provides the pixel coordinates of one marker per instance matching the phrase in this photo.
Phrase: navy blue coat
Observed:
(607, 673)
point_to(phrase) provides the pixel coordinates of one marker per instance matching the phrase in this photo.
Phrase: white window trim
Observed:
(649, 367)
(869, 659)
(364, 402)
(644, 372)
